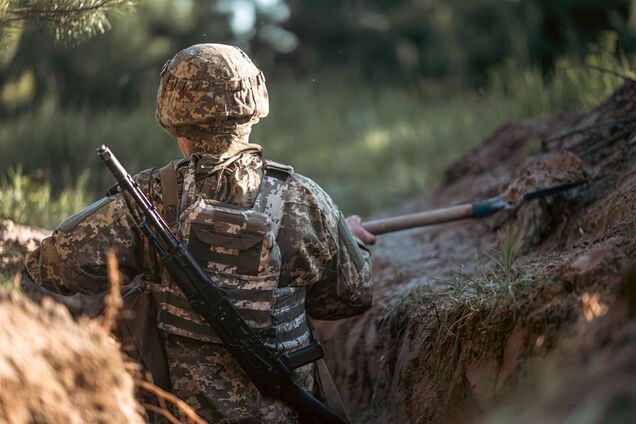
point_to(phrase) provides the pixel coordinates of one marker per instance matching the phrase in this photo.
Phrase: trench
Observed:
(455, 326)
(465, 313)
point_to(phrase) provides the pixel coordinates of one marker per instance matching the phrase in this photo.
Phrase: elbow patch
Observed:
(346, 238)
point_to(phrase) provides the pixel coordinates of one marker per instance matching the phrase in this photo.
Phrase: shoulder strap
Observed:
(284, 171)
(271, 195)
(330, 390)
(169, 194)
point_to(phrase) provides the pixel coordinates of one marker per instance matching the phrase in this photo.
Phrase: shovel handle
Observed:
(454, 213)
(420, 219)
(436, 216)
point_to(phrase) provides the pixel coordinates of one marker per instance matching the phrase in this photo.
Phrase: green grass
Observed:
(368, 146)
(484, 303)
(26, 200)
(10, 282)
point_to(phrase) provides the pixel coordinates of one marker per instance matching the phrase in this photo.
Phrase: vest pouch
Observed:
(250, 295)
(229, 241)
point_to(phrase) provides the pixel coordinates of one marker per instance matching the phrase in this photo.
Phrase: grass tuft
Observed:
(485, 302)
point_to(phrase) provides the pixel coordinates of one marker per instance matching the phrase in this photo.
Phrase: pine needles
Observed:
(69, 21)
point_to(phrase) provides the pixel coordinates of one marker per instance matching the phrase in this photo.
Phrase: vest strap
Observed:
(330, 391)
(169, 194)
(271, 195)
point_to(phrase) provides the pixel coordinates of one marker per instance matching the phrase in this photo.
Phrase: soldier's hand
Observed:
(355, 225)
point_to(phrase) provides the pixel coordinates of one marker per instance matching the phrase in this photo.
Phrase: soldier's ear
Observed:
(185, 146)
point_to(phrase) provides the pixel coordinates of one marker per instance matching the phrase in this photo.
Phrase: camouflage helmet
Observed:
(209, 89)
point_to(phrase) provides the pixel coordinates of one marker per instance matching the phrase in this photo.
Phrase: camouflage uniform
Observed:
(319, 257)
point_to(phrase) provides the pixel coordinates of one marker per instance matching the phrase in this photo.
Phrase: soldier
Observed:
(273, 238)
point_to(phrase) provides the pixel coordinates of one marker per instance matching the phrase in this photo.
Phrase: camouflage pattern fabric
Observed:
(237, 247)
(207, 378)
(318, 254)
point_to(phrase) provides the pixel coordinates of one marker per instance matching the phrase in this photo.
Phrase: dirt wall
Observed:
(56, 370)
(452, 329)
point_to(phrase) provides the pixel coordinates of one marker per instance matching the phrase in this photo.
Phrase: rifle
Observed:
(270, 372)
(480, 209)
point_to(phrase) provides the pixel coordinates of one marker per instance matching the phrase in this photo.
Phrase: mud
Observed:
(56, 370)
(550, 171)
(451, 330)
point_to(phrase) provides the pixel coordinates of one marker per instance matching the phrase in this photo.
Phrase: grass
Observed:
(485, 302)
(368, 146)
(10, 282)
(26, 199)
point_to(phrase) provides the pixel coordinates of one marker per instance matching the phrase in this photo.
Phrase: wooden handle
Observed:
(420, 219)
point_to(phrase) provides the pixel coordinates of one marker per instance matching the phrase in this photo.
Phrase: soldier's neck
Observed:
(227, 145)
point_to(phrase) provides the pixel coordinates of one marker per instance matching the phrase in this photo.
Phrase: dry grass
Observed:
(184, 409)
(113, 301)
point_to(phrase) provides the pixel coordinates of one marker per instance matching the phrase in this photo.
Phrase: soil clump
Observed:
(54, 369)
(590, 378)
(463, 310)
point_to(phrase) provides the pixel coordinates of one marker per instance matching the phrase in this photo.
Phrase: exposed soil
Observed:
(589, 378)
(15, 242)
(56, 370)
(451, 330)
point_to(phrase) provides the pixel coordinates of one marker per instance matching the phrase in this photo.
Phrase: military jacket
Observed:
(319, 256)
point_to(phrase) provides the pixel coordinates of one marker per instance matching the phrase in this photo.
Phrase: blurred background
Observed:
(371, 98)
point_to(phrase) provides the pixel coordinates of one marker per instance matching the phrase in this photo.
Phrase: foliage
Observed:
(67, 20)
(368, 147)
(27, 201)
(404, 43)
(576, 83)
(117, 69)
(465, 39)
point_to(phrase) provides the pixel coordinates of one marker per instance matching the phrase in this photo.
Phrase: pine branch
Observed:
(25, 12)
(68, 20)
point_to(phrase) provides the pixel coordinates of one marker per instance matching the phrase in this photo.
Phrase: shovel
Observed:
(479, 209)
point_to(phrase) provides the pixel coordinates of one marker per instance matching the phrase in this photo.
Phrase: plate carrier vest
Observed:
(238, 249)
